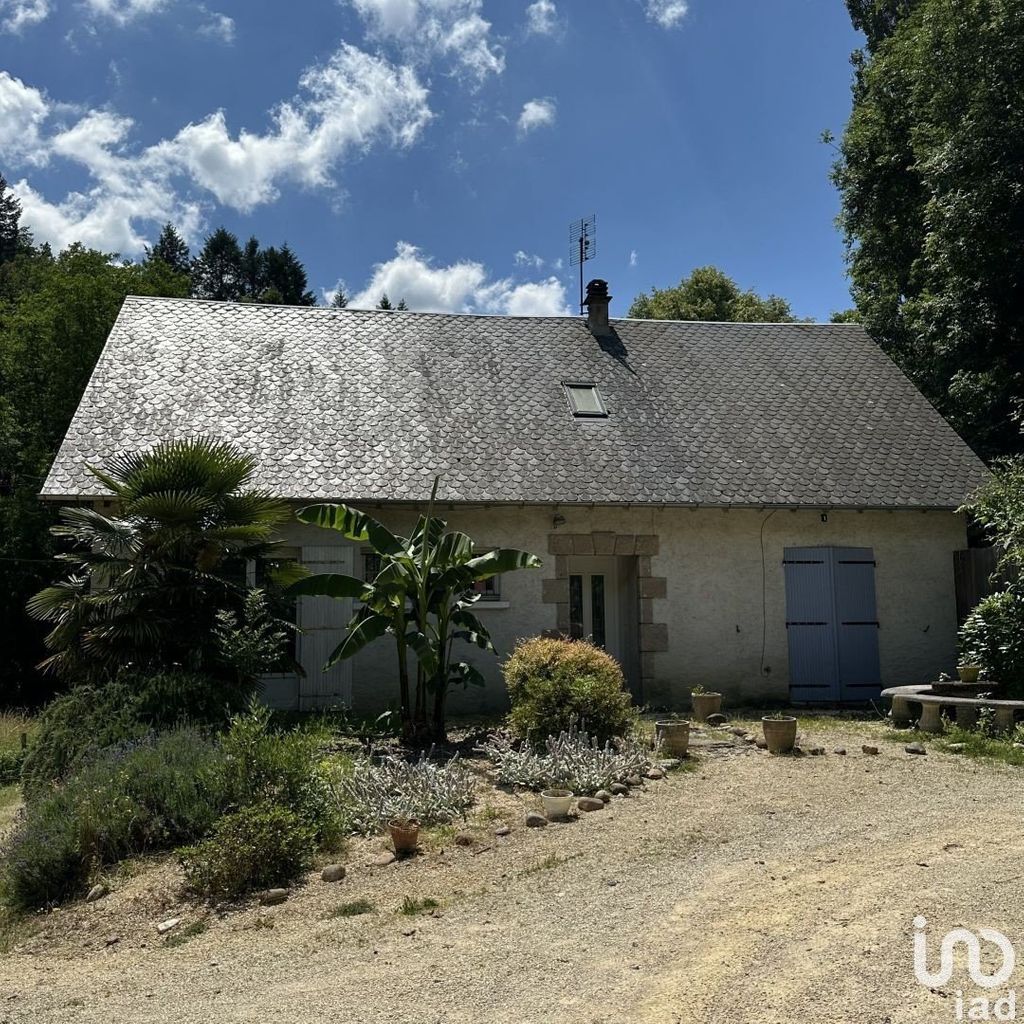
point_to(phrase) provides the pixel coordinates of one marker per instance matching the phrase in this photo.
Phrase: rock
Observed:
(272, 897)
(738, 730)
(503, 830)
(97, 892)
(620, 789)
(716, 719)
(113, 940)
(957, 748)
(654, 773)
(816, 751)
(382, 860)
(590, 803)
(603, 795)
(915, 748)
(749, 738)
(464, 839)
(669, 764)
(840, 750)
(634, 781)
(762, 743)
(535, 820)
(169, 925)
(333, 873)
(868, 749)
(798, 752)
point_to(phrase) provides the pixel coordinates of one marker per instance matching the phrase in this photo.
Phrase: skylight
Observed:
(585, 399)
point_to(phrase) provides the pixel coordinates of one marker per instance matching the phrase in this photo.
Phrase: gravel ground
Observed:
(754, 889)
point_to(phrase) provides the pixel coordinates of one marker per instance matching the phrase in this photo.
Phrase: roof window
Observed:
(585, 399)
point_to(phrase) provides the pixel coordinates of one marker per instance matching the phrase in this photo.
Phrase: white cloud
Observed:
(429, 28)
(327, 294)
(18, 14)
(634, 259)
(123, 11)
(542, 18)
(23, 110)
(667, 13)
(217, 26)
(525, 259)
(461, 287)
(344, 107)
(536, 114)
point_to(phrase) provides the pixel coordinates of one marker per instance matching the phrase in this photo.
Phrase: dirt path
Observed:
(757, 889)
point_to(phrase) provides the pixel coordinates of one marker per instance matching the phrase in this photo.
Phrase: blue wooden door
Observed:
(831, 624)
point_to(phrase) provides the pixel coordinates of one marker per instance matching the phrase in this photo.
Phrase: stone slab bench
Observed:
(965, 708)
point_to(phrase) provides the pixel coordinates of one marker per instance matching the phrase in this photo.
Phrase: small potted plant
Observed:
(968, 672)
(779, 732)
(557, 803)
(405, 835)
(674, 736)
(705, 702)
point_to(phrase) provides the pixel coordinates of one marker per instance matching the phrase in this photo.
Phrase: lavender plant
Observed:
(378, 790)
(572, 760)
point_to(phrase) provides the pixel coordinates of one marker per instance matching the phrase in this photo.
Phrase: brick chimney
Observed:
(597, 301)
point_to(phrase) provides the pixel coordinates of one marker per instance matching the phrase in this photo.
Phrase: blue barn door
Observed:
(831, 624)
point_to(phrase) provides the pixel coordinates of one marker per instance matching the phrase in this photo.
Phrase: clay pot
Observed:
(405, 835)
(674, 736)
(557, 802)
(968, 673)
(779, 734)
(705, 704)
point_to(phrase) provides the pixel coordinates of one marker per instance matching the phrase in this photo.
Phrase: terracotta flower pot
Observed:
(779, 734)
(674, 736)
(705, 704)
(557, 802)
(405, 835)
(968, 673)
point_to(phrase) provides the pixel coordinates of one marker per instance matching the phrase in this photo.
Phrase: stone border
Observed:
(652, 636)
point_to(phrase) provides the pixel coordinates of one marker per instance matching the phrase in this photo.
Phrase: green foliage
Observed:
(145, 587)
(148, 795)
(993, 636)
(414, 905)
(253, 640)
(553, 685)
(55, 315)
(976, 743)
(931, 172)
(708, 294)
(258, 847)
(422, 596)
(75, 728)
(171, 250)
(353, 909)
(225, 271)
(339, 300)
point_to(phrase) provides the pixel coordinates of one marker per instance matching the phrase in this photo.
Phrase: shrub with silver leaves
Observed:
(379, 790)
(572, 760)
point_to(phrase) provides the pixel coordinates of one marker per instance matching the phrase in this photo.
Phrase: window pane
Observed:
(597, 608)
(585, 399)
(576, 606)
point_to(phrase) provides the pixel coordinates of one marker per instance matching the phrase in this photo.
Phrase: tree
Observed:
(339, 300)
(217, 272)
(422, 597)
(846, 316)
(149, 586)
(931, 174)
(171, 250)
(10, 217)
(253, 278)
(708, 294)
(385, 302)
(401, 305)
(285, 278)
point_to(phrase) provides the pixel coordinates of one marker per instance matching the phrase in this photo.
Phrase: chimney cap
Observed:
(597, 291)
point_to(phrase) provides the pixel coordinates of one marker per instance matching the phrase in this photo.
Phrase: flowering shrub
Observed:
(572, 760)
(431, 791)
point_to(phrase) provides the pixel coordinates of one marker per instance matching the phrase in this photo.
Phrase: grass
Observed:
(186, 934)
(12, 725)
(352, 909)
(552, 860)
(411, 905)
(977, 744)
(10, 801)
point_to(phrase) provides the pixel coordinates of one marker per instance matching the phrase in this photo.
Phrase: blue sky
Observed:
(439, 148)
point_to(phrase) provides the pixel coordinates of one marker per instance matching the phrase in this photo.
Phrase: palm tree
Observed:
(145, 586)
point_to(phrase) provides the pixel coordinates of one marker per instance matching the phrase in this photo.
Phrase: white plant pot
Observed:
(557, 802)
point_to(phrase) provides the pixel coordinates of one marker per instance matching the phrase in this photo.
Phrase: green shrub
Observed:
(146, 795)
(256, 848)
(993, 636)
(75, 727)
(555, 685)
(10, 766)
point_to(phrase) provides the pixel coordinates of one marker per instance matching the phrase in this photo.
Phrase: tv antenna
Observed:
(582, 246)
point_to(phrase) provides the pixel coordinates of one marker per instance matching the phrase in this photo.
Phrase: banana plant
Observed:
(422, 597)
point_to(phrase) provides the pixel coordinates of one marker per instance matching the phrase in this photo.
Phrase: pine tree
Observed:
(217, 272)
(10, 215)
(340, 299)
(254, 281)
(401, 305)
(385, 302)
(285, 277)
(171, 249)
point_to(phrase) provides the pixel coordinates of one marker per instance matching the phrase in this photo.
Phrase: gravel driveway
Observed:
(755, 889)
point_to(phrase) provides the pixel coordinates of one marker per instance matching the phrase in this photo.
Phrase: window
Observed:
(489, 590)
(585, 399)
(371, 566)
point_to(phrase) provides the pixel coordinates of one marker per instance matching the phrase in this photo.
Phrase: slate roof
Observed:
(369, 405)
